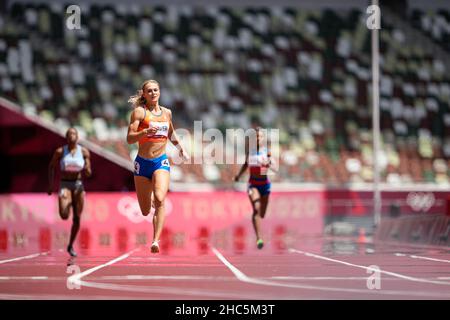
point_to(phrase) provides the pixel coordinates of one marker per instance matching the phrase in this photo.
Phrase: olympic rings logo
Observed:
(129, 207)
(421, 201)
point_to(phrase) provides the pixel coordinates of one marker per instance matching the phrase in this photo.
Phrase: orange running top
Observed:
(161, 121)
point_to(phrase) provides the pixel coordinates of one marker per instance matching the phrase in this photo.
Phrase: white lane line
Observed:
(421, 257)
(394, 274)
(244, 278)
(174, 291)
(289, 278)
(216, 278)
(176, 278)
(240, 275)
(192, 278)
(76, 278)
(159, 290)
(414, 246)
(40, 296)
(31, 256)
(316, 278)
(25, 278)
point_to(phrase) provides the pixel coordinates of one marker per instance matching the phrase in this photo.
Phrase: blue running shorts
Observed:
(145, 167)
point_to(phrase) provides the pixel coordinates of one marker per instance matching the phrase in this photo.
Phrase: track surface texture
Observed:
(312, 268)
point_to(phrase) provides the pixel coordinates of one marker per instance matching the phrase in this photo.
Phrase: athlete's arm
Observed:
(243, 168)
(172, 135)
(271, 163)
(133, 134)
(51, 169)
(87, 162)
(268, 163)
(245, 165)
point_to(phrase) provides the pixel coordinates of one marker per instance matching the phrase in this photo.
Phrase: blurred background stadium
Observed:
(303, 67)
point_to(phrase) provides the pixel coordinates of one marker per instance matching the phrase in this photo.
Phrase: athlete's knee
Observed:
(159, 203)
(145, 208)
(145, 211)
(158, 199)
(64, 213)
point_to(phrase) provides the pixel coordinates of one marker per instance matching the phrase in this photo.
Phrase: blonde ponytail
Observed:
(137, 100)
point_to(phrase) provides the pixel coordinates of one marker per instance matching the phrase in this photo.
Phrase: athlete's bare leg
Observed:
(65, 202)
(78, 205)
(144, 187)
(255, 200)
(264, 203)
(161, 179)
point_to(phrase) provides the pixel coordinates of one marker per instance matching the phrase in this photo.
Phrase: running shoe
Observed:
(260, 243)
(155, 247)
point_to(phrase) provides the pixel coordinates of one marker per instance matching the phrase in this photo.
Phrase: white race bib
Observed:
(163, 128)
(72, 165)
(256, 160)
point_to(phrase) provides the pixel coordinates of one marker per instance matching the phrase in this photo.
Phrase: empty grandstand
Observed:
(342, 191)
(305, 71)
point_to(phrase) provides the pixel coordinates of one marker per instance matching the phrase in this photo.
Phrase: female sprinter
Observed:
(257, 159)
(151, 126)
(73, 159)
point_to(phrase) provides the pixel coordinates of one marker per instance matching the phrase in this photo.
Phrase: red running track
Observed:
(312, 268)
